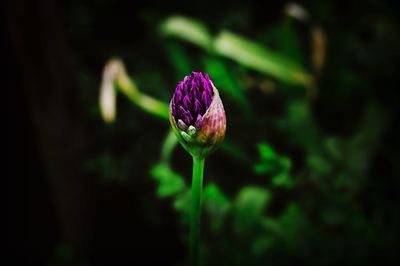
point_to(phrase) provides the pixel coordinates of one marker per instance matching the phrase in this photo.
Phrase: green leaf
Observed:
(182, 205)
(226, 81)
(235, 151)
(264, 168)
(274, 165)
(216, 205)
(283, 180)
(259, 57)
(187, 29)
(169, 183)
(244, 51)
(266, 151)
(250, 205)
(300, 127)
(178, 58)
(288, 41)
(261, 244)
(293, 222)
(319, 164)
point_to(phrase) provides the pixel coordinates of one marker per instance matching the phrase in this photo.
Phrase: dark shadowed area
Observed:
(309, 172)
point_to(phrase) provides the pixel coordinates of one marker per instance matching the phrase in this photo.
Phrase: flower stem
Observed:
(197, 187)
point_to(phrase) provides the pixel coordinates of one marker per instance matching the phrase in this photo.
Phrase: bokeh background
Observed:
(308, 174)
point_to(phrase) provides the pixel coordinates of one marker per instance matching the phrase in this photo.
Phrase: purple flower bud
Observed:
(197, 114)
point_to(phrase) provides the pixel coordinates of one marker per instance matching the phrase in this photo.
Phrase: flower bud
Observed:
(197, 115)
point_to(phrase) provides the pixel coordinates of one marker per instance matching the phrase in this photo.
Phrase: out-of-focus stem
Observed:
(147, 103)
(168, 147)
(195, 211)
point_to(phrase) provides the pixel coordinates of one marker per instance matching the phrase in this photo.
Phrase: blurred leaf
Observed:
(334, 147)
(249, 206)
(272, 225)
(244, 51)
(293, 222)
(235, 151)
(116, 73)
(319, 164)
(168, 146)
(258, 57)
(289, 41)
(216, 205)
(108, 96)
(266, 152)
(288, 227)
(264, 168)
(182, 205)
(169, 183)
(268, 159)
(179, 59)
(332, 216)
(261, 244)
(214, 195)
(283, 180)
(278, 167)
(226, 81)
(300, 126)
(363, 143)
(187, 29)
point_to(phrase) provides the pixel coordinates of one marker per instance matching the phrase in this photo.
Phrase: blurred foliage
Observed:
(296, 179)
(278, 167)
(237, 48)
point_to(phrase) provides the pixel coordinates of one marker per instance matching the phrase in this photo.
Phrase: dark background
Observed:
(65, 205)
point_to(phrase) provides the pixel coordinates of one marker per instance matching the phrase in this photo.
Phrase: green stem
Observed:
(168, 147)
(151, 105)
(197, 187)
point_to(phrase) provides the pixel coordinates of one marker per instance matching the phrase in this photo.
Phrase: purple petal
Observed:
(196, 78)
(178, 97)
(206, 84)
(209, 89)
(181, 111)
(197, 106)
(186, 79)
(205, 99)
(182, 124)
(195, 93)
(187, 88)
(195, 74)
(180, 86)
(199, 120)
(173, 108)
(193, 85)
(186, 103)
(187, 118)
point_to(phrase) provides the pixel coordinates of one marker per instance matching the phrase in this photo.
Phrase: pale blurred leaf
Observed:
(187, 29)
(253, 55)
